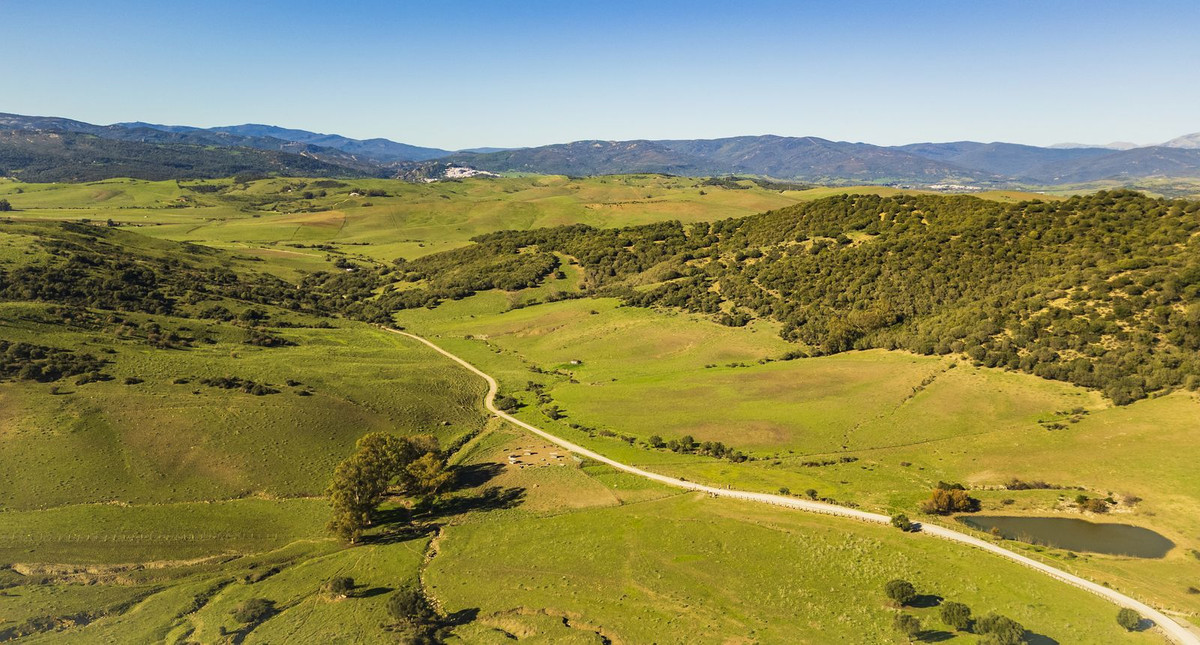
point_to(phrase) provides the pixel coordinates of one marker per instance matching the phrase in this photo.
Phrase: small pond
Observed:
(1074, 534)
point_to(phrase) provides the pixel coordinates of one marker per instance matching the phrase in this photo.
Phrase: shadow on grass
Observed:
(934, 636)
(475, 475)
(1039, 639)
(372, 592)
(493, 498)
(925, 601)
(462, 617)
(400, 524)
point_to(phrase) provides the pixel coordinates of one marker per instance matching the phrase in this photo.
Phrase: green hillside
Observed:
(182, 368)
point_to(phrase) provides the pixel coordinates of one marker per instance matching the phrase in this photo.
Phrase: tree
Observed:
(410, 606)
(1000, 630)
(5, 206)
(253, 610)
(900, 591)
(429, 474)
(956, 615)
(655, 441)
(1129, 619)
(361, 481)
(339, 587)
(907, 624)
(902, 522)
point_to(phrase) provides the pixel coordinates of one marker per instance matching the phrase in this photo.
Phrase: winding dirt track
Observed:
(1173, 630)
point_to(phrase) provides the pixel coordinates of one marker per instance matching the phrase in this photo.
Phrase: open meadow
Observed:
(182, 474)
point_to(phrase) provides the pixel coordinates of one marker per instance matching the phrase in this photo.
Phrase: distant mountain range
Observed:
(148, 150)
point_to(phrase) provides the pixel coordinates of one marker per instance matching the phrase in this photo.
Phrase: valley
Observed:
(244, 358)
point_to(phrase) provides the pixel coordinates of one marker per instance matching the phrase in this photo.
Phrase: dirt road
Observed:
(1171, 629)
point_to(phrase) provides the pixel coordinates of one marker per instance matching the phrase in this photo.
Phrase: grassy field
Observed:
(270, 219)
(907, 421)
(146, 507)
(163, 441)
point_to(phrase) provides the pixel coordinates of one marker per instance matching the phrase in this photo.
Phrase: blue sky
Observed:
(461, 74)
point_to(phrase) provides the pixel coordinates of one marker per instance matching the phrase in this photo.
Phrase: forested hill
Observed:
(36, 156)
(1102, 290)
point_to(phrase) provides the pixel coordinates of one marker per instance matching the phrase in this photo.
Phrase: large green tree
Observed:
(381, 461)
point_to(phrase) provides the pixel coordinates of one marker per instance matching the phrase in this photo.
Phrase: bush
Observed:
(907, 624)
(254, 610)
(5, 206)
(902, 522)
(1096, 506)
(409, 606)
(956, 615)
(1129, 619)
(900, 591)
(944, 501)
(339, 587)
(1000, 630)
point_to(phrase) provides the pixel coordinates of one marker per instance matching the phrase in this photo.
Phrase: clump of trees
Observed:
(26, 361)
(5, 206)
(240, 384)
(995, 629)
(949, 498)
(688, 445)
(382, 462)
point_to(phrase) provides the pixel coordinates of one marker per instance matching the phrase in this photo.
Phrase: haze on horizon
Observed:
(474, 74)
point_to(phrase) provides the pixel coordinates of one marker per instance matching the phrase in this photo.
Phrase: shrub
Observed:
(907, 624)
(1000, 630)
(409, 606)
(253, 610)
(339, 587)
(943, 501)
(1129, 619)
(900, 591)
(1096, 506)
(956, 615)
(902, 522)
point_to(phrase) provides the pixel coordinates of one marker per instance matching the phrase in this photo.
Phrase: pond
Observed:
(1075, 534)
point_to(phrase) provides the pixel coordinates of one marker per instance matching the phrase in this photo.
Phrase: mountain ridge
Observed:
(807, 158)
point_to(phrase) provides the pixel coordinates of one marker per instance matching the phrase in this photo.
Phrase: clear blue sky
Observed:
(462, 73)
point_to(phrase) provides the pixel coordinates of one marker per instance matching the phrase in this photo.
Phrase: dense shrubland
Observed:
(1102, 290)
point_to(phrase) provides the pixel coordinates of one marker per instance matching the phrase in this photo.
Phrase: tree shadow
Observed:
(475, 475)
(492, 498)
(462, 617)
(399, 532)
(1038, 639)
(934, 636)
(925, 601)
(1144, 625)
(372, 592)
